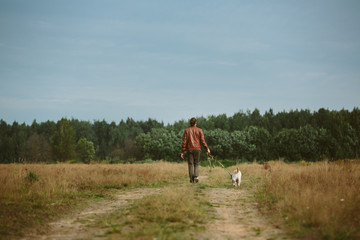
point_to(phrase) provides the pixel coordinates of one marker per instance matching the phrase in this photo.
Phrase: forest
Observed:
(245, 136)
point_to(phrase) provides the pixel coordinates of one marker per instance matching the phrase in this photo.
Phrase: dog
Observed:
(236, 177)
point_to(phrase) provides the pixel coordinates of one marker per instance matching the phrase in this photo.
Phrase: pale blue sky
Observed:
(171, 60)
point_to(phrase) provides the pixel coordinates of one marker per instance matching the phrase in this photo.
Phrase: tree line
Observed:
(293, 135)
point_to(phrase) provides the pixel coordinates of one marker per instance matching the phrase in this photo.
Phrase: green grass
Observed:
(170, 214)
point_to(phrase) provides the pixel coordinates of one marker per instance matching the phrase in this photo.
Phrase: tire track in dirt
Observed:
(75, 225)
(237, 217)
(234, 216)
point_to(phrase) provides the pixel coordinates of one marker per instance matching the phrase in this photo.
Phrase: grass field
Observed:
(31, 194)
(316, 201)
(320, 200)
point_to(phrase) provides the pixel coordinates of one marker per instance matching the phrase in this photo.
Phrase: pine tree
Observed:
(63, 140)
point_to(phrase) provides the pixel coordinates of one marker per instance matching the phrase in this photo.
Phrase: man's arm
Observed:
(202, 140)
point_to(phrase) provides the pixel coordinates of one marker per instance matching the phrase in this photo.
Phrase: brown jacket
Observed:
(192, 139)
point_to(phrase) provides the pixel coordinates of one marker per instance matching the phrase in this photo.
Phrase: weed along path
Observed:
(141, 214)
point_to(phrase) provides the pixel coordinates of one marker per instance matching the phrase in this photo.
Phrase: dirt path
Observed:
(235, 217)
(75, 226)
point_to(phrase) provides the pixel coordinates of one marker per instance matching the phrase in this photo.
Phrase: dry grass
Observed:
(316, 200)
(319, 200)
(31, 194)
(252, 174)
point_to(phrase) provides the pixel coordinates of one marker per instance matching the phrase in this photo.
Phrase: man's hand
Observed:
(208, 151)
(182, 155)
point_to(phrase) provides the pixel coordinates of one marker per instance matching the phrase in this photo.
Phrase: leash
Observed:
(211, 158)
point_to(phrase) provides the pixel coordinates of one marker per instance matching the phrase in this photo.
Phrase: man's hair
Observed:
(192, 121)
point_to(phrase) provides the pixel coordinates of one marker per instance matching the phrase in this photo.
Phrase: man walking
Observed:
(192, 139)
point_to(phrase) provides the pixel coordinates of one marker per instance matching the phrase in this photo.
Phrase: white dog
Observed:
(236, 177)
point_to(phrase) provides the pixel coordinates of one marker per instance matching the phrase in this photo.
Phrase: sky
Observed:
(172, 60)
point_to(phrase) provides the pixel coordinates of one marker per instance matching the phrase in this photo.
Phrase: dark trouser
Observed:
(193, 162)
